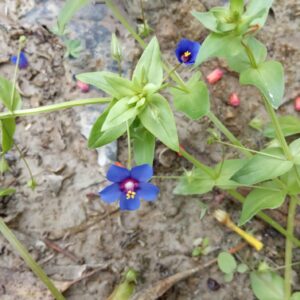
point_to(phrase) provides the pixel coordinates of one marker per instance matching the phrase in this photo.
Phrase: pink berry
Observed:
(215, 76)
(84, 87)
(234, 100)
(297, 104)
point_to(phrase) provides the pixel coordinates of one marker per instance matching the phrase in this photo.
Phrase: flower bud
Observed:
(234, 100)
(215, 76)
(84, 87)
(116, 52)
(297, 104)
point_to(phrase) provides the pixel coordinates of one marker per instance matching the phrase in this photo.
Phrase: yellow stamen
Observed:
(187, 53)
(224, 218)
(130, 195)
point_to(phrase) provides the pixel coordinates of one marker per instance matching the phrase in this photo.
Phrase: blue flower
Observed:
(187, 51)
(23, 62)
(129, 186)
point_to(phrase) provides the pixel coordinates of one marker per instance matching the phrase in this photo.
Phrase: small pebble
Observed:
(84, 87)
(234, 100)
(213, 285)
(215, 76)
(297, 104)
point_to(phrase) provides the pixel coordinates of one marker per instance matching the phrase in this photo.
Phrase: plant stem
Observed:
(289, 249)
(37, 270)
(209, 171)
(213, 118)
(128, 146)
(53, 107)
(278, 130)
(268, 220)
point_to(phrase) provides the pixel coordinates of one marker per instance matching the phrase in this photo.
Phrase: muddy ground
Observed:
(64, 210)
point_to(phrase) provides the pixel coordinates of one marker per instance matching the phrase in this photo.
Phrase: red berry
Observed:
(84, 87)
(215, 76)
(297, 104)
(234, 100)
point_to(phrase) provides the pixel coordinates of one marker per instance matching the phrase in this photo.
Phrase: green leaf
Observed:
(296, 296)
(6, 91)
(226, 263)
(195, 101)
(259, 199)
(110, 83)
(267, 285)
(257, 11)
(219, 45)
(239, 60)
(228, 277)
(290, 179)
(149, 67)
(268, 77)
(208, 20)
(8, 128)
(157, 117)
(143, 146)
(194, 183)
(295, 150)
(120, 113)
(260, 167)
(237, 6)
(242, 268)
(290, 125)
(74, 48)
(6, 192)
(67, 12)
(99, 138)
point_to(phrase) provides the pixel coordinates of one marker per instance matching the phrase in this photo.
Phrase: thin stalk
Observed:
(209, 171)
(37, 270)
(252, 151)
(267, 219)
(129, 146)
(278, 130)
(53, 107)
(213, 118)
(289, 249)
(166, 177)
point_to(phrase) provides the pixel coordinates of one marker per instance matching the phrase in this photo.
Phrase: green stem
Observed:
(289, 249)
(267, 219)
(129, 146)
(213, 118)
(209, 171)
(37, 270)
(166, 177)
(53, 107)
(278, 130)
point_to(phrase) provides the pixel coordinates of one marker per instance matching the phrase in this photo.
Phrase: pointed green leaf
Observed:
(158, 118)
(8, 128)
(6, 91)
(267, 285)
(208, 20)
(295, 296)
(110, 83)
(259, 199)
(261, 168)
(295, 150)
(6, 192)
(120, 113)
(257, 11)
(99, 138)
(289, 125)
(218, 45)
(237, 6)
(194, 102)
(290, 179)
(67, 12)
(268, 77)
(143, 146)
(149, 67)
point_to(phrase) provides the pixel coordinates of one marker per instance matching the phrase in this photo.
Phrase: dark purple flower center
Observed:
(186, 56)
(129, 186)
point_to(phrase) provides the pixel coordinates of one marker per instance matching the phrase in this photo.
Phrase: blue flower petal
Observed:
(147, 191)
(187, 45)
(129, 204)
(117, 174)
(111, 193)
(142, 173)
(23, 62)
